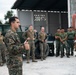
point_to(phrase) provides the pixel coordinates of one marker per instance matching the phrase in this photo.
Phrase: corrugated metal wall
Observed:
(47, 19)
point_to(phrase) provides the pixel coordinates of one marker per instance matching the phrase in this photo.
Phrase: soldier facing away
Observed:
(29, 36)
(14, 48)
(42, 43)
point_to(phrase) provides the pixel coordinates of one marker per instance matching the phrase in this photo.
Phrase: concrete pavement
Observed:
(50, 66)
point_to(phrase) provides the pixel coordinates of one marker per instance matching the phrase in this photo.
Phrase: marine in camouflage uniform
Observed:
(29, 36)
(2, 50)
(70, 40)
(14, 48)
(57, 38)
(42, 36)
(63, 43)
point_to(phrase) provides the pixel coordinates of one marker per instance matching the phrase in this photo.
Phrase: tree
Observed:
(7, 16)
(6, 22)
(0, 22)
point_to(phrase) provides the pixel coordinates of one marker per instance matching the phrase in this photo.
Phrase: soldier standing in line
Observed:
(42, 37)
(57, 37)
(75, 41)
(70, 40)
(2, 50)
(14, 48)
(63, 43)
(29, 36)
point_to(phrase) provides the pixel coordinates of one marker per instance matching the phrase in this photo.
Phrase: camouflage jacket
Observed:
(70, 35)
(1, 39)
(14, 48)
(58, 35)
(42, 36)
(63, 36)
(29, 34)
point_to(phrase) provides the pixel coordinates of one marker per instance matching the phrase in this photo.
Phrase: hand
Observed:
(42, 40)
(33, 38)
(25, 42)
(45, 40)
(28, 38)
(61, 41)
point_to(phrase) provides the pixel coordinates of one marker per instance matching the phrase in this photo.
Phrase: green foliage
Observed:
(7, 16)
(6, 22)
(0, 22)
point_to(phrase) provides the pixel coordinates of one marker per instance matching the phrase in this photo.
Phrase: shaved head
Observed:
(42, 29)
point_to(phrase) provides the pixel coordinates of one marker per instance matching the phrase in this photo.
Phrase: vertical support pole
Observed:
(32, 18)
(47, 26)
(60, 24)
(69, 13)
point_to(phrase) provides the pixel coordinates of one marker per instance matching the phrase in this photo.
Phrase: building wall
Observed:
(25, 18)
(64, 20)
(53, 22)
(40, 20)
(50, 20)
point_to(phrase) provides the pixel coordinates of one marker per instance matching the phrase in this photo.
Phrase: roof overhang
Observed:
(48, 5)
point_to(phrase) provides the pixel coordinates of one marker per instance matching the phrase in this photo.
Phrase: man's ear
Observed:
(12, 23)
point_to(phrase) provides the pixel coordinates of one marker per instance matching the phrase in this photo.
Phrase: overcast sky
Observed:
(6, 5)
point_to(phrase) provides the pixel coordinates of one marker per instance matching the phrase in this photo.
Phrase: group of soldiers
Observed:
(15, 49)
(30, 35)
(65, 41)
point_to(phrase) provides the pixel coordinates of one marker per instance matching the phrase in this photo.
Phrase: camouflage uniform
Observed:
(2, 50)
(63, 45)
(31, 42)
(14, 53)
(57, 44)
(42, 44)
(70, 41)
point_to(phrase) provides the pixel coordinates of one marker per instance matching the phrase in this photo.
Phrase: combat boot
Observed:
(28, 61)
(44, 58)
(68, 56)
(41, 58)
(34, 60)
(1, 64)
(72, 54)
(61, 56)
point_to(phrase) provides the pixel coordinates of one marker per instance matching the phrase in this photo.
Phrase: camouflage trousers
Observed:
(71, 46)
(32, 50)
(66, 46)
(2, 53)
(15, 71)
(14, 64)
(57, 48)
(42, 49)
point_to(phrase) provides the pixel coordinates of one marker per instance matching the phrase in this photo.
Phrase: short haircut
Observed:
(30, 25)
(58, 28)
(12, 19)
(71, 27)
